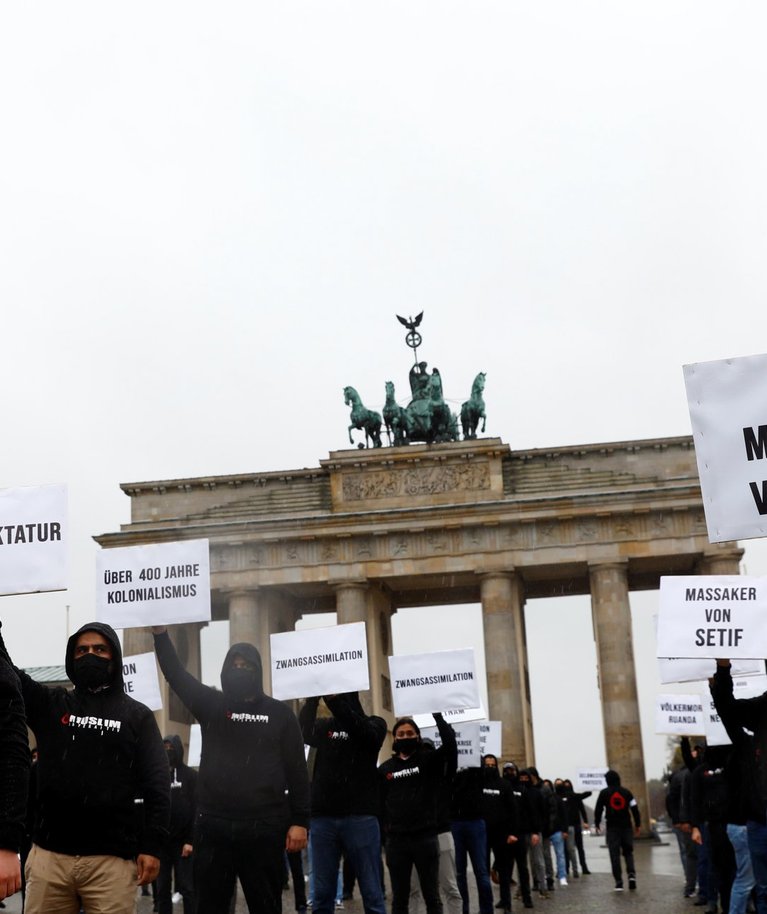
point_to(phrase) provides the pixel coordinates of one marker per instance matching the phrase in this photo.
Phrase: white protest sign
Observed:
(452, 717)
(320, 661)
(676, 669)
(161, 584)
(742, 687)
(712, 616)
(590, 778)
(679, 715)
(33, 539)
(467, 738)
(140, 680)
(729, 426)
(195, 746)
(490, 737)
(441, 681)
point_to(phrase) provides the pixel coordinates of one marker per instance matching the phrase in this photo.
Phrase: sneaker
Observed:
(618, 886)
(550, 885)
(632, 882)
(563, 881)
(585, 871)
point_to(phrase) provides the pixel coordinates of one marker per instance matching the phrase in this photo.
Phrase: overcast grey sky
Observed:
(210, 213)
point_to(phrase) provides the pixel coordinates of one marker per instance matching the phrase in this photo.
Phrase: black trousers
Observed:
(403, 852)
(496, 844)
(172, 862)
(227, 849)
(519, 856)
(620, 840)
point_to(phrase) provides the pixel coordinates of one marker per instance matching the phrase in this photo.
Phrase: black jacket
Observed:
(183, 795)
(98, 752)
(410, 787)
(345, 781)
(617, 803)
(252, 764)
(14, 757)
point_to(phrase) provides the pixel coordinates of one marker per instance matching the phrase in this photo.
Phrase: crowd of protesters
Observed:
(716, 802)
(114, 806)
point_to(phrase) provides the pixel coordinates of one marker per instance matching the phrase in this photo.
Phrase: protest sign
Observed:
(590, 778)
(679, 715)
(320, 661)
(676, 669)
(441, 681)
(452, 717)
(712, 616)
(160, 584)
(467, 738)
(729, 426)
(33, 539)
(742, 687)
(195, 746)
(140, 680)
(490, 737)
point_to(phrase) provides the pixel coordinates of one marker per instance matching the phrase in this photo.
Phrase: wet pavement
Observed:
(659, 891)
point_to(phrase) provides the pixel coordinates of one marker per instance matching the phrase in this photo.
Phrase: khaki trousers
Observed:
(62, 884)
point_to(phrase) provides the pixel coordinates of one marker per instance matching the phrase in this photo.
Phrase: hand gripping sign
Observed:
(161, 584)
(320, 661)
(729, 426)
(441, 681)
(712, 616)
(33, 539)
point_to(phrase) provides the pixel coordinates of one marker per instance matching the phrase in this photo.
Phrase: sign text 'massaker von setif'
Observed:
(712, 616)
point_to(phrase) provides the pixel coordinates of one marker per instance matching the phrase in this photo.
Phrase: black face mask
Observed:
(172, 758)
(240, 684)
(490, 773)
(406, 746)
(92, 672)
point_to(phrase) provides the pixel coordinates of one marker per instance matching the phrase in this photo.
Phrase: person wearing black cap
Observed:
(345, 798)
(410, 782)
(99, 750)
(253, 786)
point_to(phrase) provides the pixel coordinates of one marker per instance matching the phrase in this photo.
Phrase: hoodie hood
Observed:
(250, 653)
(612, 778)
(350, 699)
(109, 635)
(178, 747)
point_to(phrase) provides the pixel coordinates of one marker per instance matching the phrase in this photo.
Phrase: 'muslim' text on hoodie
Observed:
(99, 751)
(252, 764)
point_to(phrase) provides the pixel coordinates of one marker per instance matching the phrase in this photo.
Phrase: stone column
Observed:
(508, 684)
(358, 601)
(611, 613)
(249, 620)
(720, 561)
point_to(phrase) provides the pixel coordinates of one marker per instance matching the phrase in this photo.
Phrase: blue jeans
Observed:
(744, 872)
(359, 839)
(470, 836)
(757, 844)
(558, 843)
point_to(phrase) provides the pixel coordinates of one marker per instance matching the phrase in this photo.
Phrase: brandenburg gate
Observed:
(369, 531)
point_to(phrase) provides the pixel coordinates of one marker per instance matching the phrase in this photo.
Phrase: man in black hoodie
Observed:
(176, 860)
(619, 807)
(345, 803)
(99, 750)
(253, 788)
